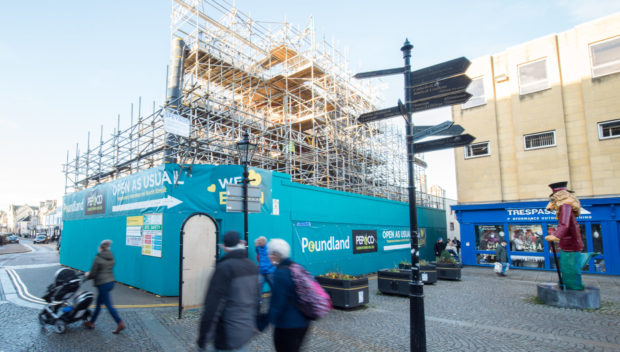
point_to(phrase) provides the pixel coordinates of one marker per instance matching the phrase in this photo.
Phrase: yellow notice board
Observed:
(135, 220)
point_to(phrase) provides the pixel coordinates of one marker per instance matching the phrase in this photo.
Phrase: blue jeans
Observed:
(104, 298)
(262, 278)
(504, 267)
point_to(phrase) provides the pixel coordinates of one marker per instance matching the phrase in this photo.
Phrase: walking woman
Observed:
(290, 326)
(102, 273)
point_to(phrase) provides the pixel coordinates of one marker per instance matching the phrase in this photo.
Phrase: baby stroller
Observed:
(65, 305)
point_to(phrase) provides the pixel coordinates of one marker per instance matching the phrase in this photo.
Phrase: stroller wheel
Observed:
(60, 327)
(42, 319)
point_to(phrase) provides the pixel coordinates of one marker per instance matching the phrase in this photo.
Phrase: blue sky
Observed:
(68, 67)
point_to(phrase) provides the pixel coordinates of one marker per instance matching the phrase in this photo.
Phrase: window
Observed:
(526, 238)
(609, 129)
(605, 57)
(597, 246)
(533, 77)
(476, 89)
(476, 150)
(488, 237)
(539, 140)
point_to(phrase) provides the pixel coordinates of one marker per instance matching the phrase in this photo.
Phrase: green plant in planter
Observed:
(404, 262)
(339, 276)
(423, 262)
(446, 258)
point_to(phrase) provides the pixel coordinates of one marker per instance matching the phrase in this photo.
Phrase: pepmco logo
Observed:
(323, 246)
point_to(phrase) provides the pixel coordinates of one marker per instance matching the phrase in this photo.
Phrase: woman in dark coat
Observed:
(102, 273)
(290, 326)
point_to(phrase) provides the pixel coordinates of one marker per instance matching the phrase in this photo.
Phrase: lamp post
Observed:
(245, 151)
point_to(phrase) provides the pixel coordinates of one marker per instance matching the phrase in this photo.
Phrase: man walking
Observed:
(265, 268)
(230, 304)
(440, 245)
(502, 256)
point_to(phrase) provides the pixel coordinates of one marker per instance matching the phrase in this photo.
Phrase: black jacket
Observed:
(439, 247)
(502, 255)
(231, 303)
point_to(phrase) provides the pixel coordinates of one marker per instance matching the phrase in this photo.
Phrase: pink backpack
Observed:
(313, 302)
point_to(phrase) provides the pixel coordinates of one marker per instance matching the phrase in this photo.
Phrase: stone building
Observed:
(543, 111)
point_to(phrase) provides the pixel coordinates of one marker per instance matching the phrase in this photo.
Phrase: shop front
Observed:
(524, 226)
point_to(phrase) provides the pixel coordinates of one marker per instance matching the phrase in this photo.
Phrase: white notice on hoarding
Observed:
(360, 296)
(276, 207)
(134, 236)
(176, 124)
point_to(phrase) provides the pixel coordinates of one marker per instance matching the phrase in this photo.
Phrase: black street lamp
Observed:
(245, 151)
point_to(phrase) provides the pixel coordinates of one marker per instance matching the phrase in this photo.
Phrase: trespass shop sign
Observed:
(364, 241)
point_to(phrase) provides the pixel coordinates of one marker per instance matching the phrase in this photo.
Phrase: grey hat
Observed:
(231, 239)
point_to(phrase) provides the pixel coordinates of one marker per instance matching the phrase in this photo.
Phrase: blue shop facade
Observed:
(524, 226)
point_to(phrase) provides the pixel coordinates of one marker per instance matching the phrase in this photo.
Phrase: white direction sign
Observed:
(176, 124)
(153, 203)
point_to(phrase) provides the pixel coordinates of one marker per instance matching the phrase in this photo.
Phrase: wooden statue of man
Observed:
(567, 208)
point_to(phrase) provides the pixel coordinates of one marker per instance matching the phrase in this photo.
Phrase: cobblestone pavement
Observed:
(482, 312)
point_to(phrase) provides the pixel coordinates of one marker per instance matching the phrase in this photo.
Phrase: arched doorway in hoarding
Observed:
(199, 235)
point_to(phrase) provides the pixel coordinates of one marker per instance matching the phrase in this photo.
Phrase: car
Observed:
(13, 239)
(40, 239)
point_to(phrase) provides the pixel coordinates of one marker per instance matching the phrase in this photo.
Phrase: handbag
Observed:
(498, 267)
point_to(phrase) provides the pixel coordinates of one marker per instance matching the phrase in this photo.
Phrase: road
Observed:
(482, 312)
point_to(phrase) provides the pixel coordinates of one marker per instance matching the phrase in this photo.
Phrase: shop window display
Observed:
(527, 261)
(485, 258)
(488, 237)
(597, 246)
(526, 238)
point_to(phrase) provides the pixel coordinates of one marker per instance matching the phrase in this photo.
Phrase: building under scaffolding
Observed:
(292, 92)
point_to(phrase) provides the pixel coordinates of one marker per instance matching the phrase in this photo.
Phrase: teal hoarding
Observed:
(143, 214)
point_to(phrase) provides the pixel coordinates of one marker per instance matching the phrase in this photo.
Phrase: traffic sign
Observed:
(379, 73)
(236, 206)
(458, 98)
(439, 88)
(452, 131)
(234, 198)
(439, 71)
(236, 190)
(443, 143)
(432, 130)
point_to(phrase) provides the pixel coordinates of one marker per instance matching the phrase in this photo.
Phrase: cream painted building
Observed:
(544, 111)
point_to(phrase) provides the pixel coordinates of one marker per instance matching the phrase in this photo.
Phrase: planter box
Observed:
(447, 271)
(345, 293)
(428, 272)
(394, 282)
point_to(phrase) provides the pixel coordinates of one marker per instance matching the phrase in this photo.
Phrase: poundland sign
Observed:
(324, 245)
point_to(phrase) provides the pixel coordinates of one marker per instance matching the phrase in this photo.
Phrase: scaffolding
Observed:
(290, 91)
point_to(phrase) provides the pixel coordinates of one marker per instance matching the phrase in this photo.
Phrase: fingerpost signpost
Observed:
(428, 88)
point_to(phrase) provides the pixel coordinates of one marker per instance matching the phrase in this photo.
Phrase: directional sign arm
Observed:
(451, 131)
(432, 130)
(379, 73)
(433, 103)
(439, 71)
(443, 143)
(379, 114)
(435, 89)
